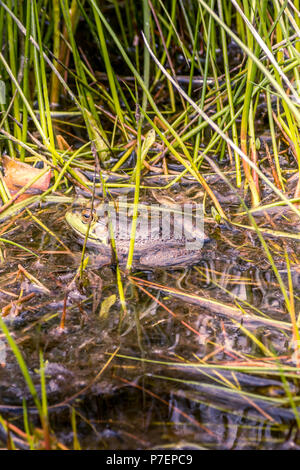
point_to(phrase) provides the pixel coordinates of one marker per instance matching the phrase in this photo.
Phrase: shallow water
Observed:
(195, 366)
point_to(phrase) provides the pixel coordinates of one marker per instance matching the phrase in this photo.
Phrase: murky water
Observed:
(202, 357)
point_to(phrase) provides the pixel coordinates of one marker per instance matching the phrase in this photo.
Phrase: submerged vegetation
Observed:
(167, 102)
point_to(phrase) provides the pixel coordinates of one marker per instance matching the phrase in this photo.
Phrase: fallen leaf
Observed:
(62, 143)
(19, 174)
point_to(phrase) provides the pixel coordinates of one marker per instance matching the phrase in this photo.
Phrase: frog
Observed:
(162, 239)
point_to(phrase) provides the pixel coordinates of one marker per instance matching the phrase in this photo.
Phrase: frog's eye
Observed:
(87, 216)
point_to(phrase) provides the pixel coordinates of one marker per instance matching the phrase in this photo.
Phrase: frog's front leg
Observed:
(170, 257)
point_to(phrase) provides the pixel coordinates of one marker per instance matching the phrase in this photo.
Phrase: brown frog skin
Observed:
(150, 250)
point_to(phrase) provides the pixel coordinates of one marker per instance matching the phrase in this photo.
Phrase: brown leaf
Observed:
(62, 143)
(19, 174)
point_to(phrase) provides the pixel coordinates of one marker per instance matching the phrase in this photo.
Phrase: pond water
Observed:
(201, 357)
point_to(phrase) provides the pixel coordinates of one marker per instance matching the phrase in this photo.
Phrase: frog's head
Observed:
(85, 220)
